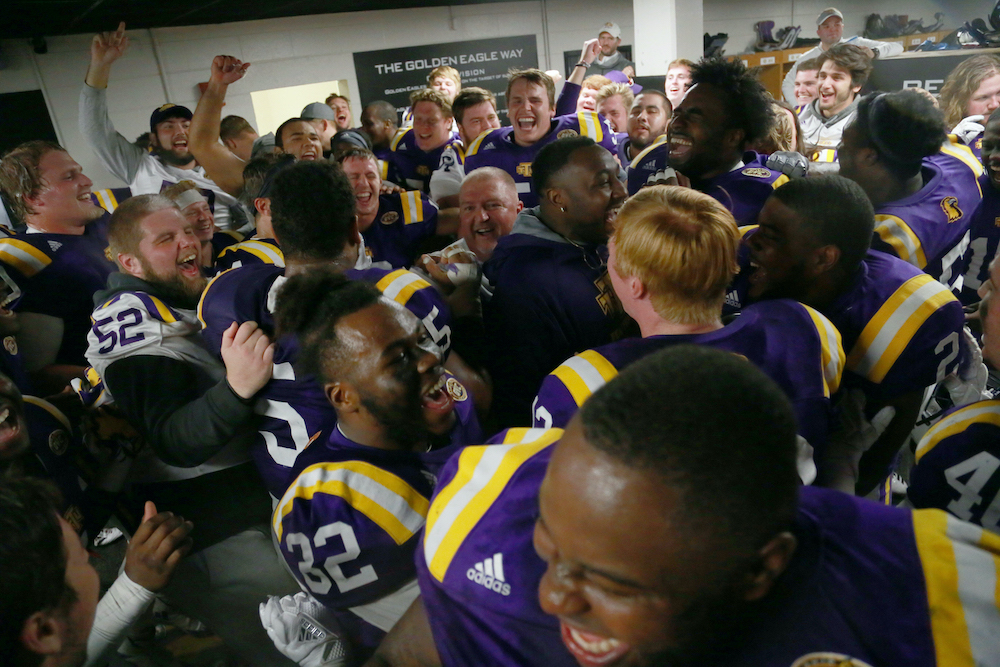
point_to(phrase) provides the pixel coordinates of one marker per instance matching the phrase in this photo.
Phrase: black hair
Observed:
(309, 307)
(383, 110)
(554, 157)
(713, 427)
(278, 140)
(254, 175)
(312, 210)
(747, 102)
(904, 127)
(32, 561)
(836, 210)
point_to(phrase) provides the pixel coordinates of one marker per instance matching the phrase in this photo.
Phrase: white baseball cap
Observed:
(827, 13)
(612, 29)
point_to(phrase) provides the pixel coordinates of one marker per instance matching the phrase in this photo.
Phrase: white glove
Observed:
(852, 436)
(967, 384)
(805, 463)
(969, 128)
(663, 177)
(789, 163)
(291, 623)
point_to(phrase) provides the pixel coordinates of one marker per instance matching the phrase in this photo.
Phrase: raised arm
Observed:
(221, 165)
(118, 155)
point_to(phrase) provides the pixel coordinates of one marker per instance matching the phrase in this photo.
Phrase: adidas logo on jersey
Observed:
(55, 245)
(489, 573)
(488, 147)
(733, 299)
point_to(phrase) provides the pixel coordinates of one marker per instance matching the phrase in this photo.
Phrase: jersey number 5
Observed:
(318, 578)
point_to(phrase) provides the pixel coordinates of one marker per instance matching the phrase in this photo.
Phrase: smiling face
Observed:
(836, 89)
(487, 209)
(65, 197)
(677, 83)
(530, 111)
(830, 31)
(779, 250)
(168, 256)
(301, 140)
(989, 316)
(342, 110)
(367, 182)
(587, 101)
(202, 221)
(13, 427)
(591, 194)
(700, 144)
(806, 86)
(647, 120)
(396, 371)
(444, 85)
(170, 141)
(613, 108)
(478, 119)
(628, 584)
(431, 126)
(991, 152)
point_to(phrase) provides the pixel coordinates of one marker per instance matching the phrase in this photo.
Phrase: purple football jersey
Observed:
(744, 190)
(793, 344)
(497, 148)
(403, 220)
(652, 159)
(293, 410)
(58, 275)
(984, 233)
(930, 229)
(348, 522)
(879, 585)
(250, 251)
(958, 465)
(410, 164)
(551, 300)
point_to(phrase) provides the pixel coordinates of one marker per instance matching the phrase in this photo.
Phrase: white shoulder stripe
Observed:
(905, 238)
(590, 376)
(969, 414)
(977, 586)
(481, 476)
(397, 285)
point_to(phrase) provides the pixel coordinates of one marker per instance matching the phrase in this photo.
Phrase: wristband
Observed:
(584, 65)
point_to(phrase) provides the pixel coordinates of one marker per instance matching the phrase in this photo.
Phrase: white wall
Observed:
(284, 52)
(737, 17)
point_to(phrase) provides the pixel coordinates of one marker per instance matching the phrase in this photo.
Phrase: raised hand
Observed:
(248, 354)
(157, 547)
(107, 47)
(590, 50)
(227, 69)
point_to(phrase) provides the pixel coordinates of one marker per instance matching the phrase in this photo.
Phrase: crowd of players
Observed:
(636, 379)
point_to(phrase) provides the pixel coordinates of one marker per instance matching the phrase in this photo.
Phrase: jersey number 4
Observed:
(980, 469)
(319, 578)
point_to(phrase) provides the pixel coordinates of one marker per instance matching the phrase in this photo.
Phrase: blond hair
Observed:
(445, 72)
(681, 244)
(613, 89)
(433, 96)
(21, 177)
(962, 82)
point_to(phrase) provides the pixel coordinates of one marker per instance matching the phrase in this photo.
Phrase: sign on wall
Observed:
(923, 71)
(391, 74)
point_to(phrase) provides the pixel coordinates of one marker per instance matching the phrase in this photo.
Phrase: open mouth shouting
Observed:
(591, 650)
(436, 398)
(188, 264)
(680, 146)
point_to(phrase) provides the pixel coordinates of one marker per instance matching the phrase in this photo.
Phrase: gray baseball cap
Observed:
(827, 13)
(316, 111)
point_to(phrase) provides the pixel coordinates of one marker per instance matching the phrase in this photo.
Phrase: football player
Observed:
(475, 111)
(922, 203)
(416, 151)
(195, 208)
(983, 229)
(258, 175)
(531, 103)
(647, 126)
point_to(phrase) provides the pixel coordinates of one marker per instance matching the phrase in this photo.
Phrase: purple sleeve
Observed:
(568, 96)
(554, 406)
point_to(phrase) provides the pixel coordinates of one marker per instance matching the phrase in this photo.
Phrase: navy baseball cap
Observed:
(166, 111)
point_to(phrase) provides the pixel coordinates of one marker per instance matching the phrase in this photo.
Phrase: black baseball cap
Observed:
(166, 111)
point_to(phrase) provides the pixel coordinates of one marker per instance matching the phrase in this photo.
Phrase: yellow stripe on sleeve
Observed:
(400, 285)
(164, 312)
(778, 182)
(476, 143)
(400, 133)
(956, 149)
(204, 293)
(584, 374)
(660, 140)
(107, 199)
(833, 351)
(889, 332)
(24, 257)
(51, 409)
(483, 473)
(895, 232)
(413, 207)
(981, 412)
(590, 125)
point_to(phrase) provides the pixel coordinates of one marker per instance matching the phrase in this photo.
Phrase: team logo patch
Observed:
(10, 344)
(59, 442)
(524, 169)
(423, 170)
(950, 207)
(73, 515)
(828, 660)
(389, 218)
(979, 144)
(456, 390)
(756, 172)
(565, 134)
(996, 221)
(107, 254)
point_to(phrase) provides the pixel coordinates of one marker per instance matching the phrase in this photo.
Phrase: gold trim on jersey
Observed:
(584, 374)
(106, 198)
(779, 181)
(660, 140)
(590, 125)
(24, 257)
(956, 149)
(482, 475)
(204, 293)
(413, 207)
(400, 285)
(746, 229)
(832, 351)
(266, 252)
(400, 133)
(892, 328)
(981, 412)
(391, 503)
(960, 563)
(476, 143)
(51, 409)
(895, 232)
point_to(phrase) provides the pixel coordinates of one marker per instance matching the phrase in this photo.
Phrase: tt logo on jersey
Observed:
(489, 574)
(828, 660)
(756, 172)
(950, 207)
(524, 169)
(389, 218)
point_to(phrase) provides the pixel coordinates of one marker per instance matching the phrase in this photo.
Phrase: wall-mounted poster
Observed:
(391, 74)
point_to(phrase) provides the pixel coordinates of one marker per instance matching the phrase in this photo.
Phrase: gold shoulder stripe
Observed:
(476, 143)
(660, 140)
(584, 374)
(413, 207)
(981, 412)
(400, 285)
(204, 293)
(24, 257)
(956, 149)
(395, 506)
(833, 351)
(51, 409)
(590, 125)
(483, 473)
(889, 332)
(746, 229)
(896, 233)
(398, 137)
(778, 182)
